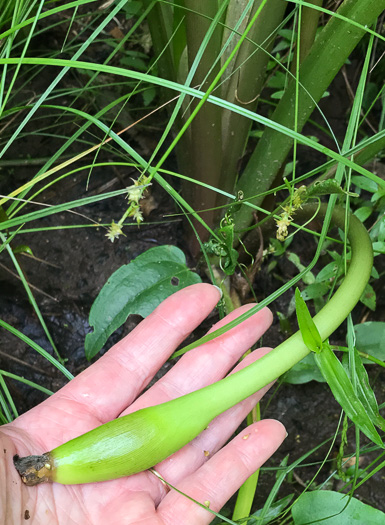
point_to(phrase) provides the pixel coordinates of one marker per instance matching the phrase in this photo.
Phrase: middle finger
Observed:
(208, 363)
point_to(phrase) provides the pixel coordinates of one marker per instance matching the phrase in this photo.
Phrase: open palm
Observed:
(113, 387)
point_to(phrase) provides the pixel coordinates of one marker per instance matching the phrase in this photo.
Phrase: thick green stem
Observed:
(244, 86)
(326, 57)
(202, 158)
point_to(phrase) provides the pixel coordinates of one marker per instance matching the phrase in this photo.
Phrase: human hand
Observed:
(112, 387)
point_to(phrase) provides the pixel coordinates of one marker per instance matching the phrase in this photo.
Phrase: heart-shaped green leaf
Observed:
(137, 288)
(370, 338)
(333, 508)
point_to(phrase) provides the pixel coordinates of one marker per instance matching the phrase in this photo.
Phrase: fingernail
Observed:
(219, 290)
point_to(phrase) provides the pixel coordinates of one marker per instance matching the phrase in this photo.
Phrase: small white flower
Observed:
(282, 225)
(135, 192)
(138, 216)
(114, 231)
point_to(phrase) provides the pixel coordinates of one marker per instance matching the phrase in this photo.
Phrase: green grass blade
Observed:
(26, 382)
(60, 75)
(31, 34)
(302, 139)
(30, 295)
(4, 407)
(39, 214)
(8, 397)
(37, 348)
(45, 14)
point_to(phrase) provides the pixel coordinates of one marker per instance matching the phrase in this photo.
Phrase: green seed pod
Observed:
(121, 447)
(139, 440)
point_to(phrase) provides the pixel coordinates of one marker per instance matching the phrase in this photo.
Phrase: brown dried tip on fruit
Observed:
(34, 469)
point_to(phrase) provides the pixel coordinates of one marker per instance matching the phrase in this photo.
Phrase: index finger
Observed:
(108, 386)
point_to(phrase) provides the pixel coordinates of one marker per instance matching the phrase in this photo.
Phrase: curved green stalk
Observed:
(138, 441)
